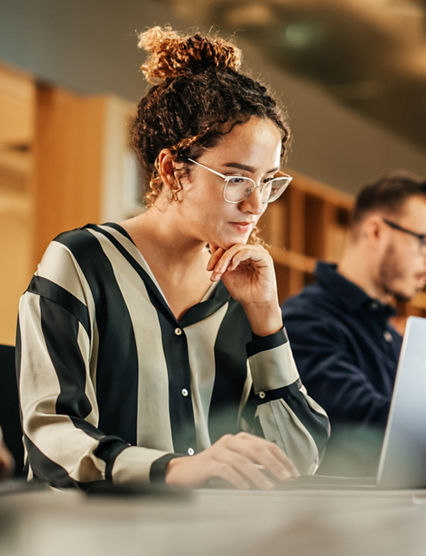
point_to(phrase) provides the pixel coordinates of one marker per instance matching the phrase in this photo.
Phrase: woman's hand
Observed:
(242, 460)
(248, 273)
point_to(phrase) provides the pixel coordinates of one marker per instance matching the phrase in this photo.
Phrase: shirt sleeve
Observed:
(56, 376)
(330, 372)
(286, 414)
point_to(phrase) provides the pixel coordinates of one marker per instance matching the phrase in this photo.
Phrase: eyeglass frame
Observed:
(421, 237)
(256, 185)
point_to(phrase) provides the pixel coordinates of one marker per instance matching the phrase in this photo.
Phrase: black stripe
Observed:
(18, 355)
(175, 350)
(263, 343)
(269, 395)
(157, 473)
(117, 366)
(230, 371)
(108, 449)
(45, 469)
(48, 289)
(60, 330)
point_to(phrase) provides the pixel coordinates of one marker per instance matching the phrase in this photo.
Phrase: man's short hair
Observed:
(388, 194)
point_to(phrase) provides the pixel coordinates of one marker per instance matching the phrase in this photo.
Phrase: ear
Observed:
(166, 168)
(373, 230)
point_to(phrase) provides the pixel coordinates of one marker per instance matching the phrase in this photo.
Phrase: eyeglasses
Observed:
(421, 237)
(238, 188)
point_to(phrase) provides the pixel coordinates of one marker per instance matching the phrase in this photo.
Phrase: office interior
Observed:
(352, 75)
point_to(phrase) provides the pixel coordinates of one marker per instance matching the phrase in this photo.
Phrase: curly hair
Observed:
(198, 96)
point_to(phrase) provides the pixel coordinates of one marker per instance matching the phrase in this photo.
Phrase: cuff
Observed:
(157, 473)
(263, 343)
(273, 367)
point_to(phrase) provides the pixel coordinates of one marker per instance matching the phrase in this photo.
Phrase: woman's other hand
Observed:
(243, 461)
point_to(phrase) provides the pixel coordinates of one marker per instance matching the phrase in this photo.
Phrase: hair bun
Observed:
(173, 54)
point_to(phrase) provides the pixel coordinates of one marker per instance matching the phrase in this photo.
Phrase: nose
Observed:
(253, 204)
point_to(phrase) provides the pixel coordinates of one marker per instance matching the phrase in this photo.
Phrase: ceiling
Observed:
(369, 54)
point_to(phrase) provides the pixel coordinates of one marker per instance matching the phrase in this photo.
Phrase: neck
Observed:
(156, 234)
(357, 265)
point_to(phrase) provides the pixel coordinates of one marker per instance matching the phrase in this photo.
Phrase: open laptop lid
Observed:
(403, 456)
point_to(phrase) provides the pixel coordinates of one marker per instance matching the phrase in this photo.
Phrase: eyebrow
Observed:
(245, 167)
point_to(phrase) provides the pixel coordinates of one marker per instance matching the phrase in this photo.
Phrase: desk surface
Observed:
(215, 523)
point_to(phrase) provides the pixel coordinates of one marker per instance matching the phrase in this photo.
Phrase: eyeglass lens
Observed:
(239, 188)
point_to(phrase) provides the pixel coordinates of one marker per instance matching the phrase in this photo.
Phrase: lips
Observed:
(242, 226)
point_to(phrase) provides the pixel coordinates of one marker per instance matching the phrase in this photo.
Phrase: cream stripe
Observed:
(54, 435)
(273, 368)
(153, 421)
(134, 464)
(281, 425)
(55, 267)
(132, 250)
(84, 345)
(201, 339)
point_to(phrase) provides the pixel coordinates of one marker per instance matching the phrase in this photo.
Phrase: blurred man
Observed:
(345, 348)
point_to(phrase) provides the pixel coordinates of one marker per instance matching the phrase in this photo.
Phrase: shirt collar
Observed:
(349, 295)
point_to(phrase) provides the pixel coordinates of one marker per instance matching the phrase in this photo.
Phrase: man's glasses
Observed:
(421, 237)
(238, 188)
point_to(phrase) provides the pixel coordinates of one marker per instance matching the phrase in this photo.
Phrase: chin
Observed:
(228, 242)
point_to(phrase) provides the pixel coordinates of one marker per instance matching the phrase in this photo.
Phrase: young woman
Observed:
(146, 348)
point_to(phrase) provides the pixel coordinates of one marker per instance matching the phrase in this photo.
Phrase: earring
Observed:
(175, 192)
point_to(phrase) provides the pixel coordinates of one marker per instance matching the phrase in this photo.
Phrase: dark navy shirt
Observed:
(345, 348)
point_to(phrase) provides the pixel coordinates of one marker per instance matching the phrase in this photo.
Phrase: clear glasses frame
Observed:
(248, 185)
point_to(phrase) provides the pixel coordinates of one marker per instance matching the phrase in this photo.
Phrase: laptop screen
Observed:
(403, 456)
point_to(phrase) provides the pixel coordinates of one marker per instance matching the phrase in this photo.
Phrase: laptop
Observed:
(403, 457)
(402, 462)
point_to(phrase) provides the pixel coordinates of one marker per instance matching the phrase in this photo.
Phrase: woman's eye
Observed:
(236, 180)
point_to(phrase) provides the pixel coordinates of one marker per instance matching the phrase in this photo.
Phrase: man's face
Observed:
(402, 265)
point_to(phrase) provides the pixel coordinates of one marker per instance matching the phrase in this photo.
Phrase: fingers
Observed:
(266, 454)
(222, 261)
(217, 252)
(244, 461)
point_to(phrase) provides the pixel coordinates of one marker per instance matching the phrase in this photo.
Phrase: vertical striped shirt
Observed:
(112, 385)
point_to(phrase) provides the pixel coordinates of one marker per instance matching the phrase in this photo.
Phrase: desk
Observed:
(215, 523)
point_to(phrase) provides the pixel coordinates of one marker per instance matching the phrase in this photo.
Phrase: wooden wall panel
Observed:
(68, 163)
(17, 93)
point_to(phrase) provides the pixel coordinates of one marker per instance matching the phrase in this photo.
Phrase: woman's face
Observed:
(251, 149)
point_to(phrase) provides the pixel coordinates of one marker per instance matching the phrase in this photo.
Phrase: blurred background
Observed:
(351, 74)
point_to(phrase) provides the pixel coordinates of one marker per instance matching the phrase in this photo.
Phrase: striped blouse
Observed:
(112, 385)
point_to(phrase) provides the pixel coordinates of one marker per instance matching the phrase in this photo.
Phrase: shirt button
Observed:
(374, 305)
(184, 392)
(178, 331)
(190, 451)
(262, 395)
(388, 336)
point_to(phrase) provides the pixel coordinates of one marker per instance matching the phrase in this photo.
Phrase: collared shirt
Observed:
(344, 346)
(112, 385)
